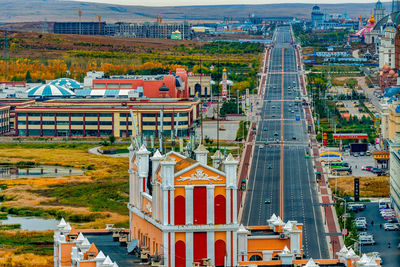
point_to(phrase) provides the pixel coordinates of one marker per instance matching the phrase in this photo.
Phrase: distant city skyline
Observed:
(221, 2)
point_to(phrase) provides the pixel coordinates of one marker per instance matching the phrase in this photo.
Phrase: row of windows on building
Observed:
(95, 123)
(23, 122)
(44, 132)
(73, 132)
(101, 115)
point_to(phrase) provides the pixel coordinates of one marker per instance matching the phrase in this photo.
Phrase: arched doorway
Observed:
(180, 253)
(220, 252)
(180, 211)
(220, 209)
(205, 91)
(197, 90)
(255, 258)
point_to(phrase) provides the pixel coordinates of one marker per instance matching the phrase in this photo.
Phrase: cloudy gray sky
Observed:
(218, 2)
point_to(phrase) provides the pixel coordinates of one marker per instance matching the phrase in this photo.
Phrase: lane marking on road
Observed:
(282, 126)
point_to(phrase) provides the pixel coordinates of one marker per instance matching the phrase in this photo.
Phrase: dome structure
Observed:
(386, 68)
(371, 20)
(163, 88)
(49, 90)
(379, 5)
(67, 83)
(395, 18)
(315, 8)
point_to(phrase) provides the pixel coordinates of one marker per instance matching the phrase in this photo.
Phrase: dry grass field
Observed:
(377, 186)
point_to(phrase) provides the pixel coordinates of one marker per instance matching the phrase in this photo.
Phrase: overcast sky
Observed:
(219, 2)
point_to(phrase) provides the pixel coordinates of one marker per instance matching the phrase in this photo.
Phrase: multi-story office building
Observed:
(148, 30)
(98, 118)
(4, 119)
(84, 28)
(13, 103)
(395, 174)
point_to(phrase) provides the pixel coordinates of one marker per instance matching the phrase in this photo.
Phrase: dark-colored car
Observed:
(267, 201)
(265, 128)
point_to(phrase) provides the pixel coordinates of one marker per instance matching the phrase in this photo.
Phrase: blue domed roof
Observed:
(49, 90)
(67, 83)
(379, 5)
(315, 7)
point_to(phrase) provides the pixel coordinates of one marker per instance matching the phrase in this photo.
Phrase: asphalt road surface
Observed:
(290, 182)
(390, 256)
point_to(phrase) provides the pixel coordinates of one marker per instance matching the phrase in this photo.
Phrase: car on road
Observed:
(362, 154)
(378, 172)
(361, 225)
(276, 134)
(294, 137)
(277, 140)
(269, 166)
(361, 219)
(366, 240)
(261, 146)
(267, 201)
(265, 129)
(390, 227)
(266, 143)
(365, 234)
(367, 168)
(272, 106)
(355, 207)
(355, 154)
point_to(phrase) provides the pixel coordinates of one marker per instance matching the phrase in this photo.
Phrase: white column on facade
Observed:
(210, 204)
(165, 206)
(228, 248)
(137, 189)
(234, 202)
(234, 248)
(172, 248)
(189, 204)
(172, 206)
(211, 246)
(139, 192)
(165, 247)
(228, 205)
(161, 207)
(189, 249)
(131, 188)
(154, 200)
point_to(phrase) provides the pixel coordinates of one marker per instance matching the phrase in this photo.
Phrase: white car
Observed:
(389, 227)
(361, 219)
(366, 240)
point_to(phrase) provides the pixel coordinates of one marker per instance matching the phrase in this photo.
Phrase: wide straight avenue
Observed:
(282, 178)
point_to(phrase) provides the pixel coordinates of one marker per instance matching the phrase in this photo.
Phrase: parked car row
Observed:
(356, 207)
(374, 170)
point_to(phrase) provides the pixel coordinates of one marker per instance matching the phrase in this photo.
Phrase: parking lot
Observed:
(390, 256)
(357, 163)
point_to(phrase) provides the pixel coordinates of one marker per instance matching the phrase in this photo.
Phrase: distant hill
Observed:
(60, 10)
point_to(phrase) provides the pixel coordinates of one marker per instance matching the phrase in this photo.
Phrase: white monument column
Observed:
(189, 204)
(210, 204)
(211, 246)
(189, 249)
